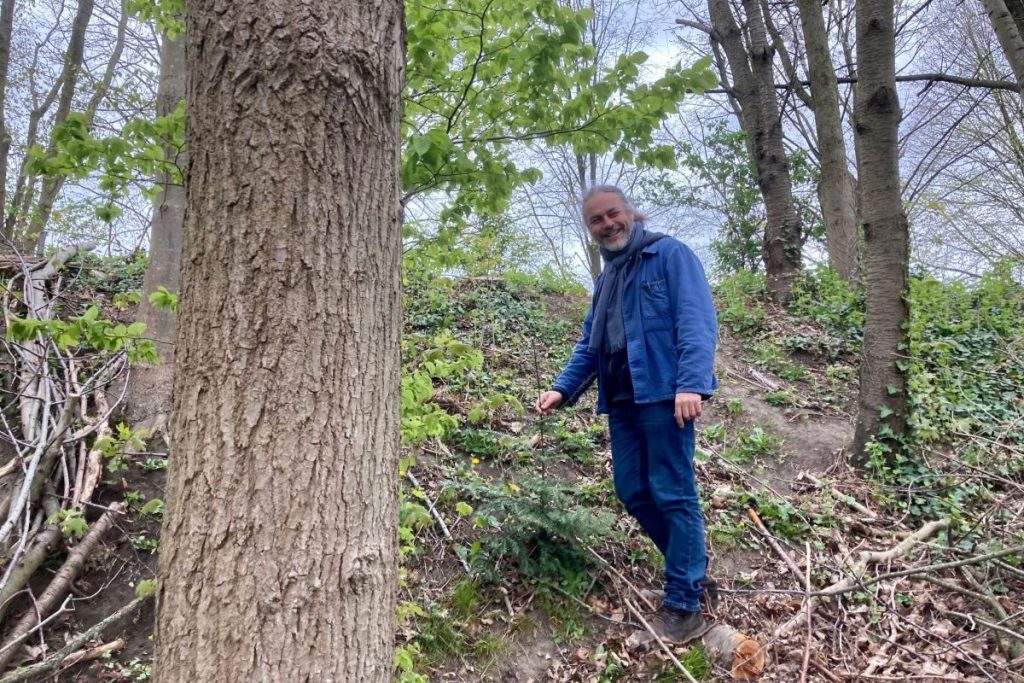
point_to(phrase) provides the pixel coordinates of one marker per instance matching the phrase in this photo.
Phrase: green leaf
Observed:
(145, 588)
(153, 507)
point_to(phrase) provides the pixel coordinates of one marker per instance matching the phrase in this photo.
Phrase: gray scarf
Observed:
(607, 332)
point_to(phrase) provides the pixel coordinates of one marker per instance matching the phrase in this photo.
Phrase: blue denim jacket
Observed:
(670, 325)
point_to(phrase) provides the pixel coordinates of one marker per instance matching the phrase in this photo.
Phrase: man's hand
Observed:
(548, 401)
(687, 407)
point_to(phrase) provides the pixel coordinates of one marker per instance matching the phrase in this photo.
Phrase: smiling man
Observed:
(649, 340)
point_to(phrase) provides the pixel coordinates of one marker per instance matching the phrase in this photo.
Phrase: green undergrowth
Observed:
(964, 358)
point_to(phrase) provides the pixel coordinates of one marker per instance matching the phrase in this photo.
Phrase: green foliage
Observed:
(145, 543)
(405, 664)
(822, 296)
(538, 526)
(965, 372)
(728, 185)
(163, 300)
(112, 275)
(145, 588)
(116, 446)
(741, 299)
(166, 14)
(446, 357)
(482, 74)
(119, 162)
(72, 523)
(750, 444)
(136, 670)
(154, 507)
(781, 517)
(87, 332)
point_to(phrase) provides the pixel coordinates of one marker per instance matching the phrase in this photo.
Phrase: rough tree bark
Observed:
(753, 86)
(1010, 37)
(882, 400)
(837, 192)
(278, 553)
(150, 392)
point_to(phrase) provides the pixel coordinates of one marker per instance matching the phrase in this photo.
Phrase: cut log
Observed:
(739, 653)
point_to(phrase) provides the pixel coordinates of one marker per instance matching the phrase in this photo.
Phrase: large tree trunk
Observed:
(837, 192)
(753, 87)
(150, 393)
(278, 554)
(1008, 31)
(883, 385)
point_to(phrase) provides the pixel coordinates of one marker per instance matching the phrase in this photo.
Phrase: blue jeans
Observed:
(652, 462)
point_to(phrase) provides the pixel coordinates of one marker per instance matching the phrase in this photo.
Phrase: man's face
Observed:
(609, 221)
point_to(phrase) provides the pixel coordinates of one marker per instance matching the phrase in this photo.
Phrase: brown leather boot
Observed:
(678, 627)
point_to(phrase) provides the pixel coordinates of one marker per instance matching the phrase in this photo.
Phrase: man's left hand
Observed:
(687, 407)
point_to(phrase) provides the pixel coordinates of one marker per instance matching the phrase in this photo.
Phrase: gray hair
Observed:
(615, 190)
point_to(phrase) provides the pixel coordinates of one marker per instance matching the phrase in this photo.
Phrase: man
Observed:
(649, 340)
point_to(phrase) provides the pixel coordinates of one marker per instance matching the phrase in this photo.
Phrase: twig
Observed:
(759, 525)
(852, 580)
(93, 653)
(810, 618)
(671, 655)
(844, 497)
(822, 669)
(438, 517)
(984, 622)
(30, 673)
(977, 559)
(621, 576)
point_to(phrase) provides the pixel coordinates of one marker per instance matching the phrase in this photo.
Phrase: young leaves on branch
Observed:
(485, 74)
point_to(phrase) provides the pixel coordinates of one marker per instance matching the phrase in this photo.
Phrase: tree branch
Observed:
(906, 78)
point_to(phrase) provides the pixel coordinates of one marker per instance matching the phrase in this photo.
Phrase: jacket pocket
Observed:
(654, 305)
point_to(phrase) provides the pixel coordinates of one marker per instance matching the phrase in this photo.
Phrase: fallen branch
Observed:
(853, 581)
(93, 653)
(805, 665)
(759, 525)
(59, 585)
(846, 498)
(650, 606)
(51, 663)
(438, 517)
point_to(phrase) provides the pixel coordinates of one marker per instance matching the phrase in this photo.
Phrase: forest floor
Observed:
(519, 565)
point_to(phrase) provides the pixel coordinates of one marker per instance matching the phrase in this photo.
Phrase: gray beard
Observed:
(625, 241)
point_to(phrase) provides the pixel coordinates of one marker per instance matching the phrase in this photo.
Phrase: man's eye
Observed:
(613, 213)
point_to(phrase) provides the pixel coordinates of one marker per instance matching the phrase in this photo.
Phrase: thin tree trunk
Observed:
(6, 26)
(1016, 9)
(753, 83)
(1010, 37)
(278, 552)
(32, 239)
(882, 401)
(150, 395)
(836, 190)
